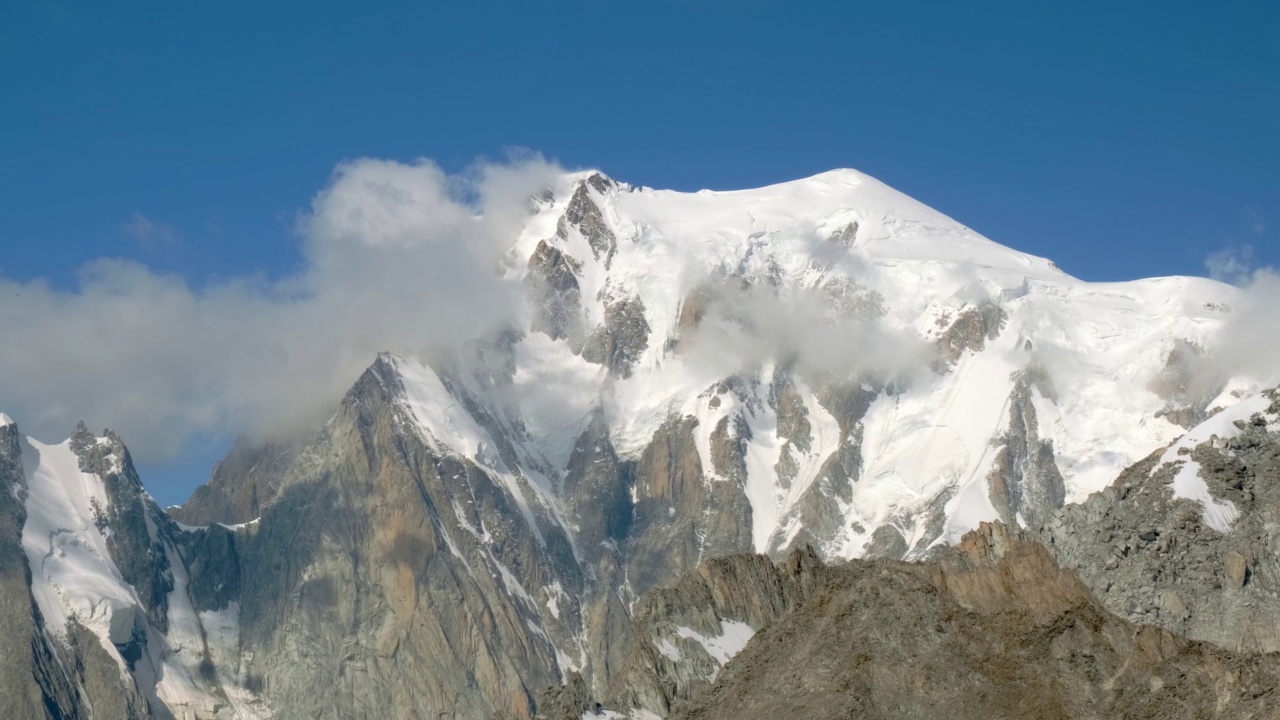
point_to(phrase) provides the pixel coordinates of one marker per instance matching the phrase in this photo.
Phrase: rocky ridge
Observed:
(1154, 557)
(991, 628)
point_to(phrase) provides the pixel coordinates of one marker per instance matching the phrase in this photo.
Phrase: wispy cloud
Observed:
(1234, 264)
(151, 233)
(1253, 216)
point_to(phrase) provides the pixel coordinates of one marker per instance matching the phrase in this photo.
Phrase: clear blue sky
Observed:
(1119, 139)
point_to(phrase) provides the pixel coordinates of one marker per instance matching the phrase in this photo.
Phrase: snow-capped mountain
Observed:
(816, 403)
(116, 624)
(1028, 355)
(824, 362)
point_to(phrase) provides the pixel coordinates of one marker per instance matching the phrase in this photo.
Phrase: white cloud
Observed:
(746, 326)
(1250, 342)
(1234, 264)
(1253, 216)
(397, 256)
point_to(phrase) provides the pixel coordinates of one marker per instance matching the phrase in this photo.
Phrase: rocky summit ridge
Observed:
(806, 373)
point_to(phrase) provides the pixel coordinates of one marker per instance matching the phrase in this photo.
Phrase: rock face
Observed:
(584, 215)
(618, 343)
(971, 330)
(410, 588)
(555, 295)
(1154, 557)
(32, 679)
(241, 484)
(1025, 485)
(684, 635)
(128, 517)
(102, 598)
(815, 518)
(679, 518)
(993, 628)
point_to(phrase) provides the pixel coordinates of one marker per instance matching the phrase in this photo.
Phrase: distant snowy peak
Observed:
(5, 420)
(842, 205)
(871, 375)
(73, 573)
(824, 364)
(599, 248)
(104, 561)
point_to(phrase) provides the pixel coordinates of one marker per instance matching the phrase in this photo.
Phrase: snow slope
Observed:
(73, 575)
(72, 572)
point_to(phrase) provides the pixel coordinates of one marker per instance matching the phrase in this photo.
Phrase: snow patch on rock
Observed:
(733, 637)
(1188, 483)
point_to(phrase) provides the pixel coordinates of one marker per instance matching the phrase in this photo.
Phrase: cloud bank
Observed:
(396, 256)
(821, 334)
(1250, 341)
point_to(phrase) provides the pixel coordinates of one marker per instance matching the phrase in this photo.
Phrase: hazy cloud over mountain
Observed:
(396, 256)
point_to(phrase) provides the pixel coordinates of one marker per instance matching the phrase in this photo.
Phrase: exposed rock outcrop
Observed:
(32, 680)
(845, 236)
(971, 330)
(407, 587)
(241, 484)
(555, 298)
(992, 628)
(1151, 557)
(584, 215)
(1025, 486)
(680, 518)
(816, 517)
(618, 343)
(129, 521)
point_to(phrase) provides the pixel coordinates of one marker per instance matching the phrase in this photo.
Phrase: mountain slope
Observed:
(118, 629)
(867, 358)
(1188, 538)
(990, 628)
(821, 363)
(866, 374)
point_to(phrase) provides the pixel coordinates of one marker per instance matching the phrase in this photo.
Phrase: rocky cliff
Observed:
(1200, 562)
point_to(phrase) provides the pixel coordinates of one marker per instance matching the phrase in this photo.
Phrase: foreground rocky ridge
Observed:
(991, 628)
(1154, 557)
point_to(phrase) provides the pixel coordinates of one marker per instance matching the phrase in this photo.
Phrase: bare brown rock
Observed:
(971, 330)
(994, 629)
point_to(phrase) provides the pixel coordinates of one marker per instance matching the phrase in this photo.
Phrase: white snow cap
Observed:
(5, 420)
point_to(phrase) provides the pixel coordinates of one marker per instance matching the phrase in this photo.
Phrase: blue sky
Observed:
(1119, 139)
